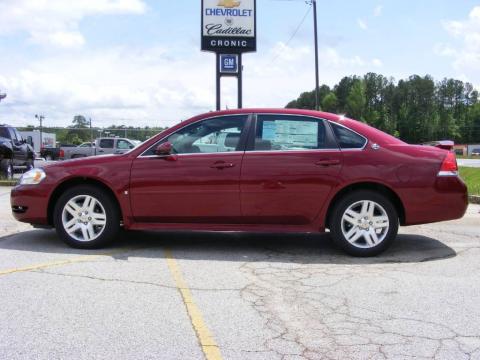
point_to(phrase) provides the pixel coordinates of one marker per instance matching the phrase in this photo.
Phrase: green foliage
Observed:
(416, 109)
(471, 176)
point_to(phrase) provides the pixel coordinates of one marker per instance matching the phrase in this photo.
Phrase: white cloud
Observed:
(55, 22)
(377, 63)
(466, 51)
(378, 10)
(362, 24)
(151, 86)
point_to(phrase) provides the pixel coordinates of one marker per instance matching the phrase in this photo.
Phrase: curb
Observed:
(474, 199)
(8, 182)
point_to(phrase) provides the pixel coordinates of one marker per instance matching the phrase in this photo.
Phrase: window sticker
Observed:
(288, 134)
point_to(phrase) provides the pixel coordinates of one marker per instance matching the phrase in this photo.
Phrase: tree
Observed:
(356, 100)
(80, 122)
(329, 102)
(416, 109)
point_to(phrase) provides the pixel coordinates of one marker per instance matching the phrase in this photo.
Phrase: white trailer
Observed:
(48, 139)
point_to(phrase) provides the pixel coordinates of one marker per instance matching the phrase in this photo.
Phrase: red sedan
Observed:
(250, 170)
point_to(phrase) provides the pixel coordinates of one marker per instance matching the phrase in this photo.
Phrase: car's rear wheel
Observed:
(6, 169)
(364, 223)
(86, 217)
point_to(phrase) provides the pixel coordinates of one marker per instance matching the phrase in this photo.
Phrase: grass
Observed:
(471, 176)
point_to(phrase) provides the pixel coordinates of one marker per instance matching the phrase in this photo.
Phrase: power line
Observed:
(294, 33)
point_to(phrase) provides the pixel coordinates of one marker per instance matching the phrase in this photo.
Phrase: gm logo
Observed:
(228, 64)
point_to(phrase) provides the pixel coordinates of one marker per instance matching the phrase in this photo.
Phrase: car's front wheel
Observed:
(86, 217)
(364, 223)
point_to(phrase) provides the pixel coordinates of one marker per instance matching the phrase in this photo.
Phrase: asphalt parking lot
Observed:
(239, 296)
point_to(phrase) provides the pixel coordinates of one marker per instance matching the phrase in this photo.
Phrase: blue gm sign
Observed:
(228, 64)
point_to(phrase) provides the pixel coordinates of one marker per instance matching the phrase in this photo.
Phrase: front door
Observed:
(289, 171)
(200, 184)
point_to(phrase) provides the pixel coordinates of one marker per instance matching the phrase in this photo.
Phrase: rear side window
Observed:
(106, 143)
(347, 139)
(285, 132)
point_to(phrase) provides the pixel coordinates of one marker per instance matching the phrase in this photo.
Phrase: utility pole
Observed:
(317, 81)
(40, 118)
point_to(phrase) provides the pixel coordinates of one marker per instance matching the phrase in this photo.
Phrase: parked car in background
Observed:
(274, 170)
(101, 146)
(476, 152)
(15, 152)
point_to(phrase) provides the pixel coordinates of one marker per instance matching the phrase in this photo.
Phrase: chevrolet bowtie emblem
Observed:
(229, 3)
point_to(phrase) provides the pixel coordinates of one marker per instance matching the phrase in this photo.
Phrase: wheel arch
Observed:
(74, 182)
(373, 186)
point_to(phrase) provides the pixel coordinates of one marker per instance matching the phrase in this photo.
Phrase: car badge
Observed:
(229, 3)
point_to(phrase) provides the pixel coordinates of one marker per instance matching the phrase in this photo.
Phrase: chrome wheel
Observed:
(84, 218)
(10, 171)
(365, 224)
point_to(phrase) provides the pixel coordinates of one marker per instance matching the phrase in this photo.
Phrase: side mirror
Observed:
(165, 150)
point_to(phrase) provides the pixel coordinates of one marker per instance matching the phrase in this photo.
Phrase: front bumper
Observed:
(30, 204)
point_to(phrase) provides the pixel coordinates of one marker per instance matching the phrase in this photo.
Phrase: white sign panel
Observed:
(229, 25)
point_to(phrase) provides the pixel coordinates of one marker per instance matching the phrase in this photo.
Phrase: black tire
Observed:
(29, 164)
(6, 169)
(365, 245)
(110, 208)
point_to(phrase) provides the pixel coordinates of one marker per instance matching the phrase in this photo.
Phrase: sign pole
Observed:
(240, 82)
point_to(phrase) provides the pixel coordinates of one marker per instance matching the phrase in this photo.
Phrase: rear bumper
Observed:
(447, 200)
(29, 204)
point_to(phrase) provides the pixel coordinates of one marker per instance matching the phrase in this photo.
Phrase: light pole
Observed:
(40, 118)
(317, 82)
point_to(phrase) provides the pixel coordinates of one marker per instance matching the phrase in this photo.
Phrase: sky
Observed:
(138, 62)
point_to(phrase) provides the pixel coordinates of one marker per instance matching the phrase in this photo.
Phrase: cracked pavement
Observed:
(261, 296)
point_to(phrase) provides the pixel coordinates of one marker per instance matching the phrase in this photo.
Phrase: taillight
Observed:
(449, 165)
(61, 154)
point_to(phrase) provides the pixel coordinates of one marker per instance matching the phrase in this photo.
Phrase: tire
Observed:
(29, 164)
(75, 224)
(6, 169)
(368, 219)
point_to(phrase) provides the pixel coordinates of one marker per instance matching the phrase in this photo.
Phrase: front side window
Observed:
(286, 132)
(347, 139)
(106, 143)
(216, 135)
(124, 145)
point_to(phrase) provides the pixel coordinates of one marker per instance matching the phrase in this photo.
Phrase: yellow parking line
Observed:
(59, 263)
(209, 347)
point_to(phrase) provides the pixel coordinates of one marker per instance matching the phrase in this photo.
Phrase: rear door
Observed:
(289, 170)
(105, 146)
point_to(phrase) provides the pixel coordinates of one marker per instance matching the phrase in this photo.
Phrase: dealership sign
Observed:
(229, 26)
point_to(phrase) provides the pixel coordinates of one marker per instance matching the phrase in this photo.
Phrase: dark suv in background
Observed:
(15, 152)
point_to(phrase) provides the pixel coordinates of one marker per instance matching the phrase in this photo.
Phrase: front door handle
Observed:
(222, 165)
(328, 162)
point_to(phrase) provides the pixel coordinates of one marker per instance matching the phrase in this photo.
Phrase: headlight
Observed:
(33, 177)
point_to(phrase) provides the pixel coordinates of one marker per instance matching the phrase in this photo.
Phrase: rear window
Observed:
(347, 139)
(106, 143)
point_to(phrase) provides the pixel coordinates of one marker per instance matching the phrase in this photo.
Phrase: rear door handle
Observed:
(222, 165)
(328, 162)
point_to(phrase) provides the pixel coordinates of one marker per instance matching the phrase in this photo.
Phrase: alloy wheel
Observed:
(84, 218)
(365, 224)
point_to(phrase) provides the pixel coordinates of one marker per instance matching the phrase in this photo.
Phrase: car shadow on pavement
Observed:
(215, 246)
